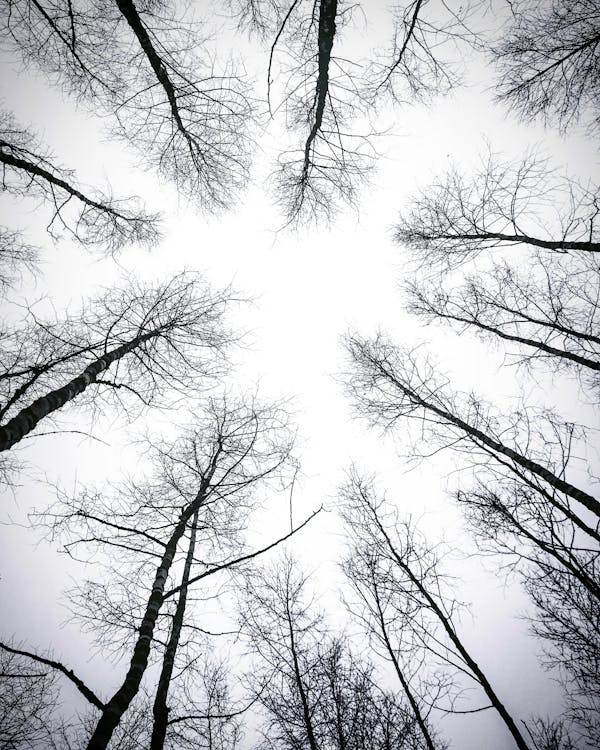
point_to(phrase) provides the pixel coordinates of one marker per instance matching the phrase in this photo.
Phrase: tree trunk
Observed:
(36, 171)
(405, 686)
(452, 635)
(118, 704)
(160, 709)
(533, 343)
(559, 245)
(588, 501)
(312, 742)
(29, 417)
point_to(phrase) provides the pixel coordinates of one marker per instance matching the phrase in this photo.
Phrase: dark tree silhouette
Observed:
(143, 341)
(549, 57)
(315, 692)
(28, 701)
(500, 205)
(560, 569)
(327, 94)
(139, 65)
(408, 570)
(211, 721)
(421, 61)
(548, 311)
(522, 505)
(388, 632)
(319, 99)
(388, 384)
(144, 530)
(98, 220)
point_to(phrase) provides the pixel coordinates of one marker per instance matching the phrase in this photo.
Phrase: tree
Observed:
(327, 92)
(421, 60)
(213, 721)
(523, 504)
(143, 341)
(549, 313)
(548, 61)
(315, 692)
(404, 597)
(28, 170)
(139, 65)
(27, 701)
(319, 99)
(144, 530)
(389, 383)
(16, 255)
(500, 205)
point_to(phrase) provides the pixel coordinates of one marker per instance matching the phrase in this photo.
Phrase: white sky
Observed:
(309, 288)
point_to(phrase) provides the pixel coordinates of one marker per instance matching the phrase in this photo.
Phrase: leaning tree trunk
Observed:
(29, 417)
(495, 446)
(405, 686)
(119, 703)
(475, 669)
(160, 709)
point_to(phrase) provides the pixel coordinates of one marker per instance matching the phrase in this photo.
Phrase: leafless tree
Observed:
(522, 505)
(28, 700)
(314, 691)
(500, 205)
(389, 636)
(283, 631)
(327, 93)
(214, 470)
(98, 220)
(550, 735)
(548, 311)
(422, 60)
(16, 256)
(390, 383)
(138, 340)
(320, 101)
(549, 58)
(405, 597)
(185, 118)
(559, 567)
(211, 720)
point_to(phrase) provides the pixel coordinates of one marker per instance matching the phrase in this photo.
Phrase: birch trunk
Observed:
(160, 709)
(29, 417)
(118, 704)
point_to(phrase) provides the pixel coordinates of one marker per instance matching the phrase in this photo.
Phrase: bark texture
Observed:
(29, 417)
(160, 709)
(118, 704)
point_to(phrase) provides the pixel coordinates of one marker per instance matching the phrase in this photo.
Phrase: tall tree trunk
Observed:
(453, 636)
(118, 704)
(160, 709)
(312, 741)
(587, 500)
(405, 686)
(29, 417)
(327, 15)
